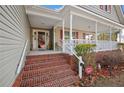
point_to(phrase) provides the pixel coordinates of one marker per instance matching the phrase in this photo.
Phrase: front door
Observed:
(40, 39)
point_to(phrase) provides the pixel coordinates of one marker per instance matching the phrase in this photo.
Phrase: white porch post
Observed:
(96, 30)
(63, 34)
(71, 31)
(54, 38)
(120, 36)
(110, 38)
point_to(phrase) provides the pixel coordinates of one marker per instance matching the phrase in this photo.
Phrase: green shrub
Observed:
(87, 53)
(83, 49)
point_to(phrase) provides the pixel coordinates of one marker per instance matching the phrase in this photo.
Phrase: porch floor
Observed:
(43, 52)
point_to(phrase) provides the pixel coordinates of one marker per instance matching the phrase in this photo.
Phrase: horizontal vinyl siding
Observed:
(14, 30)
(96, 9)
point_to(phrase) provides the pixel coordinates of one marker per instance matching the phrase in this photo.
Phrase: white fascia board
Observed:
(120, 25)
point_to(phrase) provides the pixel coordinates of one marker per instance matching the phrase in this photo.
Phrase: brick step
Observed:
(44, 57)
(46, 78)
(47, 70)
(39, 72)
(44, 65)
(43, 61)
(62, 82)
(47, 62)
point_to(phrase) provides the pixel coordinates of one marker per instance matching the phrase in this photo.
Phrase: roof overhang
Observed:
(41, 17)
(44, 18)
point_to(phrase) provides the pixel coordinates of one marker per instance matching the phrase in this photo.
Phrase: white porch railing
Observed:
(67, 45)
(75, 42)
(103, 45)
(114, 45)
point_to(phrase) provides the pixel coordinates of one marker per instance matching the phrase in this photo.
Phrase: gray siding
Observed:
(96, 9)
(14, 30)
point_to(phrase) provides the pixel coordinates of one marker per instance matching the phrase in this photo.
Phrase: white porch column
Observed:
(70, 26)
(96, 30)
(71, 31)
(110, 37)
(54, 38)
(120, 33)
(63, 34)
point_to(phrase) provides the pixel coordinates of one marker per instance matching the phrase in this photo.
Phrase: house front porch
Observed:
(80, 30)
(71, 27)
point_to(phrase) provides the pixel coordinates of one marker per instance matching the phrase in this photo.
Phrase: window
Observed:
(66, 35)
(106, 8)
(89, 37)
(74, 35)
(104, 36)
(83, 35)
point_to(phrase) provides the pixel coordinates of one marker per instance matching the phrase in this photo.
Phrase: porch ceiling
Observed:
(79, 23)
(104, 28)
(42, 18)
(49, 20)
(42, 22)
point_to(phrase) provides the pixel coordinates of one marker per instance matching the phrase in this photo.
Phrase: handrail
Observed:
(81, 63)
(75, 55)
(22, 57)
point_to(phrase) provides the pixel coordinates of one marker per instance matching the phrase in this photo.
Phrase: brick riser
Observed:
(44, 65)
(41, 60)
(47, 71)
(44, 58)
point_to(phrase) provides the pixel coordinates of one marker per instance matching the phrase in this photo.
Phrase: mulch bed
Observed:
(110, 74)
